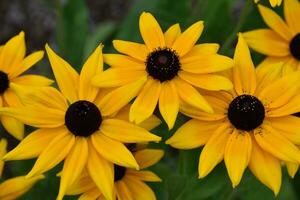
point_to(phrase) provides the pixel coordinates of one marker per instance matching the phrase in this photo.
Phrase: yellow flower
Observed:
(14, 188)
(12, 64)
(164, 70)
(76, 125)
(252, 125)
(280, 43)
(128, 183)
(272, 2)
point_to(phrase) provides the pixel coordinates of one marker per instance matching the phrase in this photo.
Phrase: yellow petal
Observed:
(237, 155)
(123, 62)
(275, 22)
(202, 49)
(66, 76)
(151, 31)
(135, 50)
(11, 98)
(13, 52)
(74, 164)
(53, 154)
(191, 96)
(101, 171)
(267, 42)
(126, 132)
(27, 63)
(292, 107)
(91, 194)
(118, 98)
(172, 34)
(265, 167)
(148, 157)
(119, 154)
(206, 81)
(213, 151)
(185, 42)
(192, 134)
(206, 64)
(139, 190)
(34, 144)
(292, 168)
(123, 191)
(244, 77)
(145, 103)
(144, 175)
(292, 15)
(114, 77)
(82, 184)
(15, 187)
(32, 80)
(93, 66)
(277, 145)
(3, 146)
(13, 126)
(169, 103)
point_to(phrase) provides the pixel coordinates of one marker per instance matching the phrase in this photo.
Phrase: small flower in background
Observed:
(272, 2)
(12, 64)
(128, 183)
(164, 70)
(280, 43)
(252, 125)
(14, 188)
(77, 125)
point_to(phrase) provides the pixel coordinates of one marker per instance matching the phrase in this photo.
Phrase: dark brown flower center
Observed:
(163, 64)
(4, 82)
(246, 112)
(295, 46)
(83, 118)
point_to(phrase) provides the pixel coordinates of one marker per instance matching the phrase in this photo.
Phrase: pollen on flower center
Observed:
(163, 64)
(119, 172)
(295, 46)
(246, 112)
(4, 82)
(83, 118)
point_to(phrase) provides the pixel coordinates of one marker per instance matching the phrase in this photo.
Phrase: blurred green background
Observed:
(75, 27)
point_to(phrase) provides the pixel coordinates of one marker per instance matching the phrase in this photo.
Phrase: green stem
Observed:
(229, 41)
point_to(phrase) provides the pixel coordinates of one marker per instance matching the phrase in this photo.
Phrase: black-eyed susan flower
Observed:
(272, 2)
(128, 183)
(76, 125)
(12, 64)
(164, 70)
(281, 42)
(14, 188)
(252, 125)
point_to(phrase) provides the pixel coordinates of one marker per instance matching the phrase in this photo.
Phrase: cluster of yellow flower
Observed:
(243, 115)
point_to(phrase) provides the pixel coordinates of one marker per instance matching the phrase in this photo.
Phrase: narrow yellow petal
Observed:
(275, 22)
(101, 171)
(143, 175)
(244, 77)
(202, 50)
(135, 50)
(145, 103)
(53, 154)
(92, 67)
(237, 155)
(139, 190)
(13, 126)
(151, 31)
(91, 194)
(192, 134)
(265, 167)
(32, 80)
(292, 107)
(292, 168)
(83, 184)
(213, 151)
(74, 164)
(119, 154)
(292, 15)
(66, 76)
(123, 62)
(148, 157)
(123, 191)
(169, 103)
(11, 98)
(15, 187)
(38, 139)
(172, 34)
(185, 42)
(118, 98)
(126, 132)
(3, 146)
